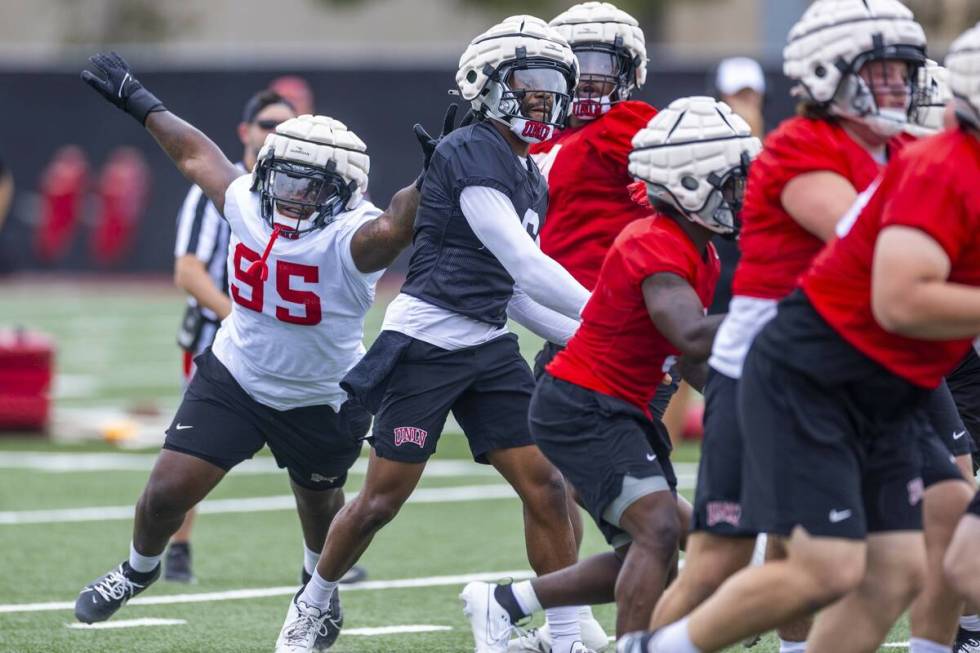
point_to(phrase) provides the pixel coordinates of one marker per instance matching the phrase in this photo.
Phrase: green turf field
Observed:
(61, 527)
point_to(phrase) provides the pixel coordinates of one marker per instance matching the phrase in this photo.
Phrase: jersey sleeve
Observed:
(645, 254)
(808, 146)
(925, 197)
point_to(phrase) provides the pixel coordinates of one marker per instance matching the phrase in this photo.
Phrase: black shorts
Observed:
(487, 388)
(964, 385)
(832, 438)
(218, 422)
(606, 448)
(974, 507)
(658, 405)
(946, 421)
(718, 497)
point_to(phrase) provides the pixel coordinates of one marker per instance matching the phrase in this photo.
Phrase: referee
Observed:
(200, 270)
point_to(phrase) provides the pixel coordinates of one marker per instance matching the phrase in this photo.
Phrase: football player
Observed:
(811, 171)
(585, 165)
(444, 344)
(200, 270)
(835, 392)
(305, 253)
(590, 413)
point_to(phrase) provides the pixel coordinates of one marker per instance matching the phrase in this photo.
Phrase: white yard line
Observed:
(395, 630)
(209, 597)
(128, 623)
(255, 504)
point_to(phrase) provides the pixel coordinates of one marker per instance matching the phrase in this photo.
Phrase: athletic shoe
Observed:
(489, 620)
(538, 640)
(177, 563)
(308, 629)
(633, 642)
(579, 647)
(355, 574)
(101, 598)
(967, 641)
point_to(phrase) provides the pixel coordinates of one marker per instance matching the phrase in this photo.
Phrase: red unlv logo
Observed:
(535, 129)
(410, 435)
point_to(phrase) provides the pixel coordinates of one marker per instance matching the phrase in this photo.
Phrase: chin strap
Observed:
(260, 269)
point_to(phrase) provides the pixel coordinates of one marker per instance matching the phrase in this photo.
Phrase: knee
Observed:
(960, 565)
(545, 494)
(659, 533)
(832, 577)
(162, 499)
(373, 512)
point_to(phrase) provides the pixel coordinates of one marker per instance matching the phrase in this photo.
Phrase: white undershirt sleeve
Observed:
(546, 323)
(492, 217)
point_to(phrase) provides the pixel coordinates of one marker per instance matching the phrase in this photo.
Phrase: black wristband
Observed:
(141, 104)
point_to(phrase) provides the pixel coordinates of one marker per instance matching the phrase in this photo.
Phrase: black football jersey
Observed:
(450, 267)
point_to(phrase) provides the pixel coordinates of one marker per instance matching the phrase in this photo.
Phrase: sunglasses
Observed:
(268, 125)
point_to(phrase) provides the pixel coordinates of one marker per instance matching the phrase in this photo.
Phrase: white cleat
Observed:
(538, 640)
(305, 629)
(579, 647)
(489, 620)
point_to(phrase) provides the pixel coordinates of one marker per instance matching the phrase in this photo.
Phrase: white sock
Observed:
(526, 598)
(786, 646)
(970, 622)
(310, 558)
(141, 563)
(674, 639)
(585, 613)
(565, 629)
(919, 645)
(318, 591)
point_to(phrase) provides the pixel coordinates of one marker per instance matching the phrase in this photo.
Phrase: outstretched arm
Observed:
(196, 156)
(544, 322)
(377, 243)
(493, 219)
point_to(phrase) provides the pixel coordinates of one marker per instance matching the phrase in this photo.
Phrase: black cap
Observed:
(260, 101)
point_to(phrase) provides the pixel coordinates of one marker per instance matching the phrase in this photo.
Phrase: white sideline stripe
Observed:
(231, 595)
(129, 623)
(395, 630)
(255, 504)
(143, 462)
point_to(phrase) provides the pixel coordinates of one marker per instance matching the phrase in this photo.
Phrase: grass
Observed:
(116, 348)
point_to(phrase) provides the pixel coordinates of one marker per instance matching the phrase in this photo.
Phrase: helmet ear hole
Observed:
(689, 182)
(471, 76)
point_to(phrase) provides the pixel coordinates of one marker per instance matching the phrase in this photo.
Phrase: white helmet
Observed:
(834, 39)
(694, 157)
(610, 48)
(520, 56)
(963, 63)
(931, 97)
(312, 167)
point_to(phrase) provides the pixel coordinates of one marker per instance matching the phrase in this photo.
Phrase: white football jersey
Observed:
(290, 340)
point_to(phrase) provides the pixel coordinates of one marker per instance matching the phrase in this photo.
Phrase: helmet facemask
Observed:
(606, 75)
(531, 97)
(867, 78)
(299, 198)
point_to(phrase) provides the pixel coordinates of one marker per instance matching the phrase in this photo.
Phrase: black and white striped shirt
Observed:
(203, 232)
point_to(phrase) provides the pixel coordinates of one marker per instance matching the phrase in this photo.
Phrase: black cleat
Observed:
(177, 563)
(967, 641)
(101, 598)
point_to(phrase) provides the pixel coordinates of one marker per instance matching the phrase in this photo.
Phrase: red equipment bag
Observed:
(26, 368)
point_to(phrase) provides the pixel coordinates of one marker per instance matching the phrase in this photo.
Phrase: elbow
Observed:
(695, 345)
(894, 314)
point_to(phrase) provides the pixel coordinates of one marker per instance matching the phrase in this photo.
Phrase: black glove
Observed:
(428, 143)
(120, 87)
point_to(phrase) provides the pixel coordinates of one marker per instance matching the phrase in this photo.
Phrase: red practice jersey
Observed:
(775, 249)
(588, 200)
(933, 185)
(617, 350)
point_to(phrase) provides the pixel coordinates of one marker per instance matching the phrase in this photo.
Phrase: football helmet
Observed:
(963, 63)
(521, 73)
(694, 157)
(832, 42)
(931, 97)
(611, 53)
(311, 169)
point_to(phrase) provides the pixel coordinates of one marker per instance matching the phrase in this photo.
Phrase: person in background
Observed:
(296, 91)
(6, 191)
